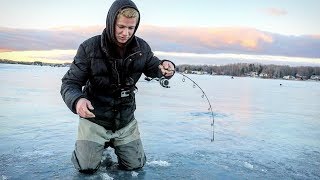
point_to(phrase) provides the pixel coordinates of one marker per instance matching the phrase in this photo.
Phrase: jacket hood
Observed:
(115, 8)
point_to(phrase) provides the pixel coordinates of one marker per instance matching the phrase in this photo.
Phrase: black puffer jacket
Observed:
(103, 73)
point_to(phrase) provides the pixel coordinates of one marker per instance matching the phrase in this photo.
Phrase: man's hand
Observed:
(167, 68)
(83, 106)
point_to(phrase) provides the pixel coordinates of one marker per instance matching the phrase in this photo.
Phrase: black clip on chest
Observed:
(124, 93)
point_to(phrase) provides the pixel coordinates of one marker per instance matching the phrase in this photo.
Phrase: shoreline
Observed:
(251, 74)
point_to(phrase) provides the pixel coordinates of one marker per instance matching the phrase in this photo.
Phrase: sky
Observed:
(53, 30)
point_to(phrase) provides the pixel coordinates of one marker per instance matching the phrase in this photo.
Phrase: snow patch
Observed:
(264, 170)
(3, 177)
(105, 176)
(134, 174)
(248, 165)
(159, 163)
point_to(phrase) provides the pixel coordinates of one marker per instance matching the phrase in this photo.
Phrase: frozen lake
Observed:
(262, 130)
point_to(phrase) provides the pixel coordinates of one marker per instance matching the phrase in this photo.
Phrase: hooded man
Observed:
(99, 87)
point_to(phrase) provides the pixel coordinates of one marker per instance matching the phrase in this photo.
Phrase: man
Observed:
(99, 87)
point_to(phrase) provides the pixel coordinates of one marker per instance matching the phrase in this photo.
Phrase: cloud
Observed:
(206, 40)
(315, 36)
(276, 11)
(31, 39)
(5, 50)
(237, 40)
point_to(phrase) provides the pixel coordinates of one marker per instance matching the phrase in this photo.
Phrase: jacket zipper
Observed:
(118, 76)
(131, 55)
(124, 62)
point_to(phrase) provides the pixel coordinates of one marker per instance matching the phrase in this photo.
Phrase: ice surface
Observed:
(262, 130)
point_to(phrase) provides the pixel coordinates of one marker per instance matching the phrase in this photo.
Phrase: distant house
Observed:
(38, 63)
(315, 77)
(300, 77)
(263, 75)
(289, 77)
(252, 74)
(196, 72)
(213, 73)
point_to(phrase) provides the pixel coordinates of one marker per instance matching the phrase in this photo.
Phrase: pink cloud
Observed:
(211, 38)
(315, 36)
(276, 11)
(247, 38)
(171, 39)
(5, 50)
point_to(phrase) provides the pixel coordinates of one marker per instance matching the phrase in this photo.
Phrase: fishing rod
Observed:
(165, 83)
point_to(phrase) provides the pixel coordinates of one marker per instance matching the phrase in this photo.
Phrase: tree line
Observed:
(37, 63)
(248, 69)
(238, 69)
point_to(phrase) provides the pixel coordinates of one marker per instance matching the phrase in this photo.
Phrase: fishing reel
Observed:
(164, 82)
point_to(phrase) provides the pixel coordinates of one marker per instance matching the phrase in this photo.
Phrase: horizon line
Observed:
(66, 56)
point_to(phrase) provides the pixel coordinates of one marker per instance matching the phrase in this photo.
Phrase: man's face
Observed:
(124, 29)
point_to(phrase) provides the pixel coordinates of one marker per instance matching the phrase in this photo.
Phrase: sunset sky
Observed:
(278, 29)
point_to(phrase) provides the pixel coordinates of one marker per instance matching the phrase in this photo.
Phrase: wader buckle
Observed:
(124, 93)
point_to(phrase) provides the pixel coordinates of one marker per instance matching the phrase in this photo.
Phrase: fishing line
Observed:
(165, 83)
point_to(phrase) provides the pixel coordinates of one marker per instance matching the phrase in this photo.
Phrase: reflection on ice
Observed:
(208, 114)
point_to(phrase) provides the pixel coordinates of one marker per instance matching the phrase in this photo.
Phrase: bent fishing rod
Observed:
(165, 83)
